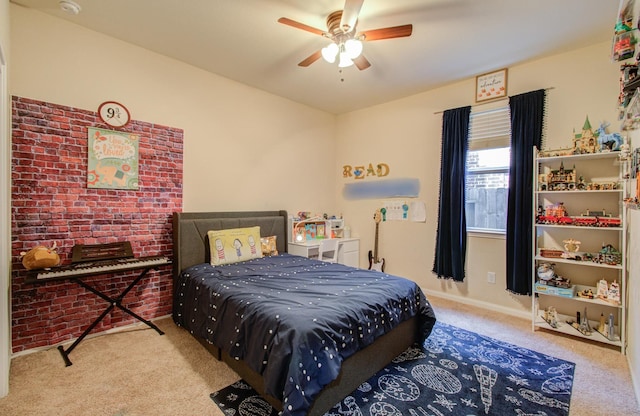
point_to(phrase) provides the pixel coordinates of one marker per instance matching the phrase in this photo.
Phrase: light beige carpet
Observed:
(139, 372)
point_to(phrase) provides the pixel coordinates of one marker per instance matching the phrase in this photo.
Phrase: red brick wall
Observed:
(50, 202)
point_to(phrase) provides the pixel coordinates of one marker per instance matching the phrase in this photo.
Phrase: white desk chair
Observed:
(328, 250)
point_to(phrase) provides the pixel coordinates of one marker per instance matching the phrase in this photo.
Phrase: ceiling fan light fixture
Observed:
(345, 60)
(330, 52)
(353, 48)
(347, 46)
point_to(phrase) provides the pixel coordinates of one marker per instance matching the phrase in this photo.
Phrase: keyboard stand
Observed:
(113, 302)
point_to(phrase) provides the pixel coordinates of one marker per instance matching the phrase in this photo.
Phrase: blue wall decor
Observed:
(390, 188)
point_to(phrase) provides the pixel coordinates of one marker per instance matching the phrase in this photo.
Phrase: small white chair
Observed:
(328, 250)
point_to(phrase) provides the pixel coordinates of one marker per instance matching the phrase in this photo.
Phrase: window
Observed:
(487, 178)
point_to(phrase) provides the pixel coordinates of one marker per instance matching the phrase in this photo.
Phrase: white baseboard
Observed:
(478, 303)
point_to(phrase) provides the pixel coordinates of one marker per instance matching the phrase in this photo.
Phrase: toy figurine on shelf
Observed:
(628, 74)
(586, 294)
(581, 185)
(625, 151)
(553, 214)
(556, 210)
(551, 253)
(562, 179)
(571, 245)
(585, 142)
(613, 295)
(609, 142)
(602, 290)
(624, 41)
(609, 255)
(624, 46)
(548, 276)
(584, 327)
(560, 281)
(551, 316)
(546, 272)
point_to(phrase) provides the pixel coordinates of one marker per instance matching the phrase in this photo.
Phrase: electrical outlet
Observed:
(491, 277)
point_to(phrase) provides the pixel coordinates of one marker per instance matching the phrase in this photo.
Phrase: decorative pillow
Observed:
(269, 247)
(234, 245)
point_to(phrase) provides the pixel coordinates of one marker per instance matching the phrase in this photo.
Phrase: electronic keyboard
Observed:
(101, 267)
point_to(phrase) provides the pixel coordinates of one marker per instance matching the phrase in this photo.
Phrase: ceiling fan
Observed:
(346, 44)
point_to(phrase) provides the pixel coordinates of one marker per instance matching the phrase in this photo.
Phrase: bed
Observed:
(302, 332)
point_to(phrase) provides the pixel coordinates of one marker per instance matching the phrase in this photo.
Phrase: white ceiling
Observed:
(452, 40)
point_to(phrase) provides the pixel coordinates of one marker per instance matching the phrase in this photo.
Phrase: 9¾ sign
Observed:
(114, 114)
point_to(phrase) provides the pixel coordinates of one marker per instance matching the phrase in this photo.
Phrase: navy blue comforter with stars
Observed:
(294, 320)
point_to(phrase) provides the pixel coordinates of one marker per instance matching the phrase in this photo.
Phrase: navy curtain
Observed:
(451, 238)
(527, 117)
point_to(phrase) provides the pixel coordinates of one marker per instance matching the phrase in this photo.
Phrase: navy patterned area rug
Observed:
(457, 373)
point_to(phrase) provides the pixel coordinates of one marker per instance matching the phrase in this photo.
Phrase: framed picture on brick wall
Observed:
(112, 160)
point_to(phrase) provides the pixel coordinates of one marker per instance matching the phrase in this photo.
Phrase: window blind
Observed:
(490, 128)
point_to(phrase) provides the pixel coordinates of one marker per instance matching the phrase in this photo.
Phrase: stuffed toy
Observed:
(40, 257)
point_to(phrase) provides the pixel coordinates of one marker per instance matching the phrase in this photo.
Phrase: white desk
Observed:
(348, 250)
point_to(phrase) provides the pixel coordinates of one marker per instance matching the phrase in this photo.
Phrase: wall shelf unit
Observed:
(580, 199)
(314, 229)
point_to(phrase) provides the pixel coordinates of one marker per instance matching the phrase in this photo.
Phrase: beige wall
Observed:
(406, 135)
(244, 149)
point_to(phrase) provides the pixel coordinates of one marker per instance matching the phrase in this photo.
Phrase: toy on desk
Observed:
(40, 257)
(304, 226)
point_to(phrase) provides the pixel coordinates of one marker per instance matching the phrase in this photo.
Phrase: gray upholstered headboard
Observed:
(190, 242)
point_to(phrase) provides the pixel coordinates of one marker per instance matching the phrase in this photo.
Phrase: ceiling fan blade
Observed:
(350, 14)
(298, 25)
(361, 62)
(310, 59)
(388, 33)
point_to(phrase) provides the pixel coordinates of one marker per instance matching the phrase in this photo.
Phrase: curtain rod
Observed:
(492, 101)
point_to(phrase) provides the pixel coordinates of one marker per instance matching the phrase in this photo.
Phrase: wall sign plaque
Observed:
(491, 85)
(114, 114)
